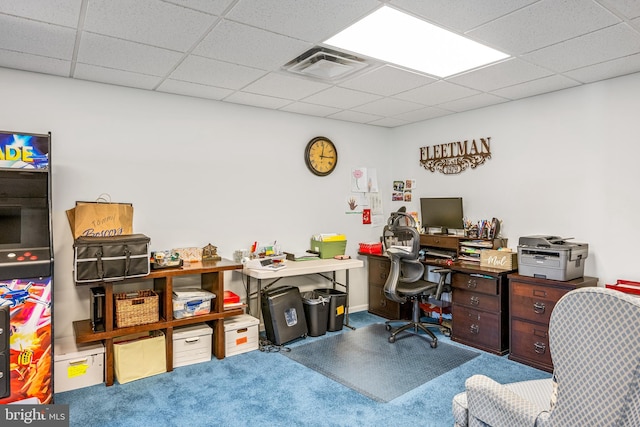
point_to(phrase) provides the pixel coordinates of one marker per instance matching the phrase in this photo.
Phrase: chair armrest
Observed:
(496, 405)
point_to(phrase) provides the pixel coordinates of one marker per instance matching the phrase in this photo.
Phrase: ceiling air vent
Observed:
(325, 64)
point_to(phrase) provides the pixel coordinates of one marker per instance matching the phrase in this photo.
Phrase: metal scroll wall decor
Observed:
(454, 157)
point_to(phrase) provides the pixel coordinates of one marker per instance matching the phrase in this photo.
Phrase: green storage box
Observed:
(329, 249)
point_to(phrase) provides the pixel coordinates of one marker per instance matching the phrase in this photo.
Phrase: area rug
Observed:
(366, 362)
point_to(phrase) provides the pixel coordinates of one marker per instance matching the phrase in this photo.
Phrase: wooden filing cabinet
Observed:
(379, 267)
(480, 309)
(531, 302)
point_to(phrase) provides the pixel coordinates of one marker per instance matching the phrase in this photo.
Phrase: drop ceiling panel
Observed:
(460, 15)
(236, 50)
(536, 87)
(115, 77)
(282, 86)
(193, 89)
(125, 55)
(354, 116)
(520, 32)
(387, 81)
(604, 45)
(341, 98)
(228, 42)
(423, 114)
(476, 101)
(24, 35)
(502, 74)
(310, 109)
(206, 71)
(60, 12)
(628, 8)
(38, 64)
(152, 22)
(309, 20)
(437, 93)
(214, 7)
(617, 67)
(388, 106)
(257, 100)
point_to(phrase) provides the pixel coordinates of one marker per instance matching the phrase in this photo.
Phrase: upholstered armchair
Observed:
(594, 339)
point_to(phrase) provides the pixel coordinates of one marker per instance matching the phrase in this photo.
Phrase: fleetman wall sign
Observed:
(454, 157)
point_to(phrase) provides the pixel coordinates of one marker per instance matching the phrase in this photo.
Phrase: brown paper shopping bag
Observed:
(100, 218)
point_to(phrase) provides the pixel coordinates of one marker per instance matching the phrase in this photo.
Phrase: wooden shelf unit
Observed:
(211, 279)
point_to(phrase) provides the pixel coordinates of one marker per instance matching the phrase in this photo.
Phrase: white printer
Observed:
(551, 257)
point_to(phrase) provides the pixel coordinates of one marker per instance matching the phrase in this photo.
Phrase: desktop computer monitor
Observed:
(443, 213)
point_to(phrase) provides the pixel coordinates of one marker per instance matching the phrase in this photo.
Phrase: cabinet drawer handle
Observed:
(472, 284)
(474, 300)
(383, 303)
(538, 307)
(539, 347)
(474, 329)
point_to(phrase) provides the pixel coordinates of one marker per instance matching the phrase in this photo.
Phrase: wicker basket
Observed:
(136, 308)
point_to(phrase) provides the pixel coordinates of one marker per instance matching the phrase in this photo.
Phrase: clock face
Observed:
(321, 156)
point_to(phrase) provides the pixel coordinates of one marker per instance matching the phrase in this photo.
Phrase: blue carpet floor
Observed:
(269, 389)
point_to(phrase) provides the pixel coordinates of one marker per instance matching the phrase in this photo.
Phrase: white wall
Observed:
(200, 171)
(563, 163)
(196, 171)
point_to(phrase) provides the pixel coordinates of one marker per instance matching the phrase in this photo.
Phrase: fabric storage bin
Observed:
(105, 259)
(77, 366)
(191, 344)
(136, 308)
(139, 356)
(191, 302)
(240, 334)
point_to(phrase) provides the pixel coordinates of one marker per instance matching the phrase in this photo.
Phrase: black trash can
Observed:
(337, 307)
(316, 310)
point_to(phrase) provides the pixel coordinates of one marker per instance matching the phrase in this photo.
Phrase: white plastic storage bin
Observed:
(77, 366)
(191, 302)
(241, 334)
(191, 344)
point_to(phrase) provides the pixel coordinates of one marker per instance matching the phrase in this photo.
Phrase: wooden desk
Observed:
(304, 268)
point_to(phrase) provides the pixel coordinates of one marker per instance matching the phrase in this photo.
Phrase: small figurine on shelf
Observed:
(210, 253)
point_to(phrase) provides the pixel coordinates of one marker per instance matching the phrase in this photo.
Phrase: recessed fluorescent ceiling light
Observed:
(392, 36)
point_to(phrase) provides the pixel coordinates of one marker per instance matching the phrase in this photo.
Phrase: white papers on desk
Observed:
(399, 248)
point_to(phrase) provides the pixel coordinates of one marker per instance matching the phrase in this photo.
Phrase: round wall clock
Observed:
(321, 156)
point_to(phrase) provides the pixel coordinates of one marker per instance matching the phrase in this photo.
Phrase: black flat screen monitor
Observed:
(442, 212)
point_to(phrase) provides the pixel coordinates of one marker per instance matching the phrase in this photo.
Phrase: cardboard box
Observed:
(328, 249)
(77, 366)
(191, 302)
(191, 344)
(241, 334)
(501, 260)
(139, 356)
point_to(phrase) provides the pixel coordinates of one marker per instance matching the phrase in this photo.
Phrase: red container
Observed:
(371, 248)
(626, 286)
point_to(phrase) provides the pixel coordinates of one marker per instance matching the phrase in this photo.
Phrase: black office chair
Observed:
(406, 282)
